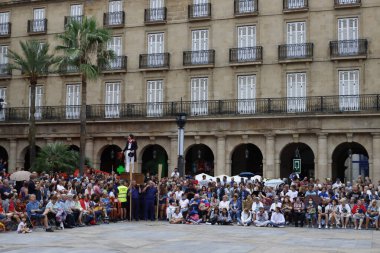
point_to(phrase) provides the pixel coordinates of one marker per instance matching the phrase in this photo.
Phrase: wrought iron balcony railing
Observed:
(295, 51)
(198, 58)
(246, 7)
(69, 19)
(154, 61)
(347, 3)
(37, 26)
(349, 48)
(321, 105)
(246, 55)
(114, 19)
(199, 11)
(5, 29)
(117, 64)
(295, 5)
(155, 16)
(5, 71)
(68, 69)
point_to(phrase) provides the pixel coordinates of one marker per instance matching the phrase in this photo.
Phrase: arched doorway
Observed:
(27, 157)
(247, 157)
(349, 156)
(3, 159)
(199, 159)
(301, 151)
(108, 158)
(154, 155)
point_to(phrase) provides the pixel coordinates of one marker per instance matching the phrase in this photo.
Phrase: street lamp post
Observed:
(181, 122)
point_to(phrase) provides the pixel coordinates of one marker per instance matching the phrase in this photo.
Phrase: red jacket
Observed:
(356, 207)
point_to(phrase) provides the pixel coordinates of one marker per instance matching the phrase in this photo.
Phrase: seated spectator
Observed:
(299, 212)
(372, 215)
(311, 212)
(245, 218)
(255, 207)
(323, 213)
(287, 209)
(177, 217)
(224, 217)
(214, 215)
(276, 203)
(224, 203)
(334, 213)
(54, 207)
(235, 208)
(345, 212)
(22, 227)
(277, 219)
(262, 219)
(358, 213)
(170, 210)
(35, 212)
(184, 205)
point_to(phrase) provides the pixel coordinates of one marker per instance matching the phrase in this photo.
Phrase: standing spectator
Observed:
(135, 190)
(175, 173)
(122, 191)
(32, 185)
(150, 192)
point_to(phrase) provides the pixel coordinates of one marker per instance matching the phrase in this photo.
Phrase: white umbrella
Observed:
(22, 175)
(199, 177)
(258, 177)
(274, 183)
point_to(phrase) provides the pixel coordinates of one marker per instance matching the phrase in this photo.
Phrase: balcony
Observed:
(341, 4)
(246, 56)
(68, 70)
(154, 61)
(199, 59)
(5, 71)
(295, 6)
(119, 64)
(199, 12)
(243, 8)
(348, 49)
(295, 52)
(155, 16)
(37, 26)
(258, 107)
(69, 19)
(114, 19)
(5, 30)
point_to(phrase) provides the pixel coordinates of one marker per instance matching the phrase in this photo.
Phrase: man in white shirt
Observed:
(224, 203)
(175, 173)
(204, 181)
(256, 206)
(292, 193)
(276, 203)
(60, 187)
(337, 184)
(184, 204)
(277, 219)
(178, 193)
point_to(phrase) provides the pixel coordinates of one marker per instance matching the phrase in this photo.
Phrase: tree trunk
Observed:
(83, 132)
(32, 124)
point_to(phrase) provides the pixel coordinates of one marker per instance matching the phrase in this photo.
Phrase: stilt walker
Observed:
(130, 156)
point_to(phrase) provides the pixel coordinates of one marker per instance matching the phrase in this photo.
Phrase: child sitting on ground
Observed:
(22, 227)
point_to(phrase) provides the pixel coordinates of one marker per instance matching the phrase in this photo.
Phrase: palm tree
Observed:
(84, 47)
(33, 63)
(56, 157)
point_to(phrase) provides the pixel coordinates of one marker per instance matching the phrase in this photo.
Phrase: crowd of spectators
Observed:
(57, 202)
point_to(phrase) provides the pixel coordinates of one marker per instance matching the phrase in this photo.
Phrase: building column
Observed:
(374, 170)
(12, 156)
(90, 150)
(322, 168)
(220, 166)
(269, 169)
(173, 154)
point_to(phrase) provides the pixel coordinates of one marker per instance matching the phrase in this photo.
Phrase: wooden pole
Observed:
(130, 192)
(158, 188)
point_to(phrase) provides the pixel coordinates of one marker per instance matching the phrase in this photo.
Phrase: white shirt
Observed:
(224, 204)
(177, 216)
(60, 188)
(277, 218)
(256, 206)
(246, 217)
(274, 205)
(175, 174)
(292, 195)
(184, 203)
(178, 194)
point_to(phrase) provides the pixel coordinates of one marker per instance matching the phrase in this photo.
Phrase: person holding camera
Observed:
(130, 152)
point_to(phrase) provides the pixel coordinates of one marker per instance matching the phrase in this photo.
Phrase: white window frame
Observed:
(295, 39)
(38, 20)
(112, 99)
(3, 95)
(156, 48)
(154, 98)
(200, 46)
(246, 94)
(114, 9)
(349, 90)
(76, 10)
(73, 103)
(246, 41)
(199, 96)
(296, 4)
(4, 59)
(116, 45)
(38, 101)
(347, 1)
(296, 91)
(4, 22)
(348, 35)
(247, 6)
(156, 10)
(200, 8)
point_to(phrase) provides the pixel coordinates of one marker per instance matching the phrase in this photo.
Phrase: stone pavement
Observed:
(160, 237)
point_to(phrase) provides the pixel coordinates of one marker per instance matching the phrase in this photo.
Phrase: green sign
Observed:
(297, 166)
